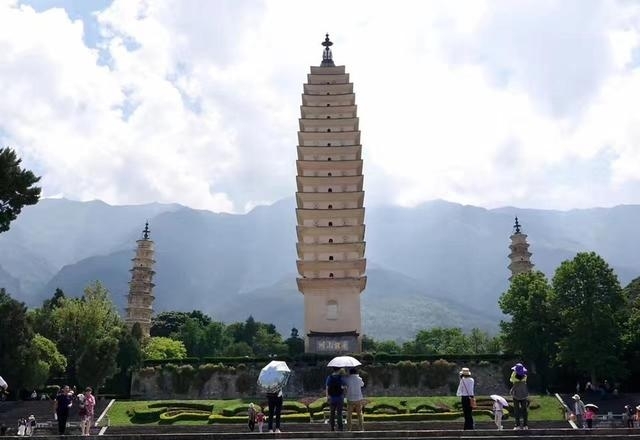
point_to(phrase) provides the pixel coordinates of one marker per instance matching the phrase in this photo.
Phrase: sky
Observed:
(529, 103)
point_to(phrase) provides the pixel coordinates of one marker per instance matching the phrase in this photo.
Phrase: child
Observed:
(252, 416)
(260, 420)
(497, 413)
(589, 415)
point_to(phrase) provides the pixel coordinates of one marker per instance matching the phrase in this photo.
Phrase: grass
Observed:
(544, 408)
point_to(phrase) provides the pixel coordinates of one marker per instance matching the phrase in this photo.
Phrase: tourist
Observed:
(334, 387)
(251, 414)
(31, 426)
(520, 393)
(61, 406)
(87, 413)
(22, 427)
(355, 401)
(578, 410)
(467, 399)
(260, 420)
(628, 416)
(589, 415)
(498, 409)
(274, 401)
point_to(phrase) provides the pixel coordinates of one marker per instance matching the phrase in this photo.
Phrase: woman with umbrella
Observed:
(590, 413)
(520, 394)
(272, 379)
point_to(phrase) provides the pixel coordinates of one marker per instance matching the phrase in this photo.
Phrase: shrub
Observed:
(146, 415)
(181, 414)
(189, 405)
(409, 376)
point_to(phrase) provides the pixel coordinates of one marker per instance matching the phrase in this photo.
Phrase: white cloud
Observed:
(490, 103)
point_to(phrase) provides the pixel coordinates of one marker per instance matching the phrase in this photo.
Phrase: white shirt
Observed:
(354, 385)
(465, 387)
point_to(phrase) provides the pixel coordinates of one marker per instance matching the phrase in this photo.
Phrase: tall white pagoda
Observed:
(140, 299)
(520, 256)
(330, 210)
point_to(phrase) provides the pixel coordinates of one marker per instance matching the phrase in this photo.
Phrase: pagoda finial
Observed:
(517, 226)
(327, 56)
(145, 232)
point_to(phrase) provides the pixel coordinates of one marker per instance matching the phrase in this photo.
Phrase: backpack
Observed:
(334, 385)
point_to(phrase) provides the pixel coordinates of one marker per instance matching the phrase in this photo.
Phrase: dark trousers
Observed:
(62, 422)
(467, 411)
(589, 423)
(520, 408)
(336, 404)
(275, 408)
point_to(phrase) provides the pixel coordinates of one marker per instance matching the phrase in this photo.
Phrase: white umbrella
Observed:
(3, 384)
(592, 406)
(344, 361)
(500, 399)
(274, 376)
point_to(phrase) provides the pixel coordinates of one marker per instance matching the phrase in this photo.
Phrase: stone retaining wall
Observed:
(402, 379)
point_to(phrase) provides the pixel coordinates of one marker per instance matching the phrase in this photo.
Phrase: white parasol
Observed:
(344, 362)
(3, 383)
(274, 376)
(500, 399)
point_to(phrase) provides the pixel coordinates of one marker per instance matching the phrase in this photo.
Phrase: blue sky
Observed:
(491, 103)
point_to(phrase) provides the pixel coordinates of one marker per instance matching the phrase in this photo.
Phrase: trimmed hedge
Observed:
(188, 405)
(145, 415)
(172, 416)
(216, 418)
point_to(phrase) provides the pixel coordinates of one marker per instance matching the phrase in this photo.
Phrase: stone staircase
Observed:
(531, 434)
(42, 410)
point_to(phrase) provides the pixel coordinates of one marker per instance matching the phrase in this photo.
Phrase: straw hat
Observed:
(465, 372)
(576, 397)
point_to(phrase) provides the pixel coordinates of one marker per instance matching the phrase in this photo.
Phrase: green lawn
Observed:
(542, 407)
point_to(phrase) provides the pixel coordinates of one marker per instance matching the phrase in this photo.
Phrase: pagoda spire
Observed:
(140, 299)
(520, 256)
(327, 56)
(145, 231)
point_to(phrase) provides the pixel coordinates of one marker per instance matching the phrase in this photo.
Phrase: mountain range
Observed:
(437, 264)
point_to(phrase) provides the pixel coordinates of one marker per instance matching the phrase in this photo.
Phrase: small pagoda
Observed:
(140, 299)
(520, 256)
(330, 210)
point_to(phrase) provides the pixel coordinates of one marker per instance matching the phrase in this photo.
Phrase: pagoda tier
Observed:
(140, 299)
(330, 210)
(520, 256)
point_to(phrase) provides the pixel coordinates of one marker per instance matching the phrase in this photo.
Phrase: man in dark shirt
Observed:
(334, 386)
(61, 406)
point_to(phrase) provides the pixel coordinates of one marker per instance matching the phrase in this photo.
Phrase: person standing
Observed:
(355, 401)
(251, 413)
(334, 387)
(465, 392)
(589, 415)
(88, 411)
(578, 410)
(498, 409)
(520, 394)
(274, 401)
(61, 406)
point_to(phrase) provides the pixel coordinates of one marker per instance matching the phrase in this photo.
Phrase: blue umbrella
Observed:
(274, 376)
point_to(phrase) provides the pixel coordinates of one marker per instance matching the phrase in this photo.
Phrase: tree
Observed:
(160, 347)
(16, 335)
(44, 360)
(531, 332)
(592, 310)
(88, 331)
(295, 343)
(16, 188)
(169, 323)
(438, 340)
